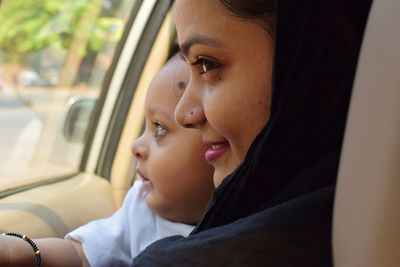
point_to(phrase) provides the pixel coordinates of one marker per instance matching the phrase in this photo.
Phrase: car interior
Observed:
(53, 201)
(366, 217)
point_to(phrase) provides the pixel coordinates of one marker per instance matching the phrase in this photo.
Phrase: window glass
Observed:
(54, 55)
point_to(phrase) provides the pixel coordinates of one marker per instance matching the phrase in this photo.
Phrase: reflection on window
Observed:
(52, 53)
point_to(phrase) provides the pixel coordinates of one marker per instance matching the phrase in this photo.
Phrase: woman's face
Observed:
(229, 92)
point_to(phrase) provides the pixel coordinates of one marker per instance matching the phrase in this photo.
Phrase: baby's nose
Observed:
(139, 149)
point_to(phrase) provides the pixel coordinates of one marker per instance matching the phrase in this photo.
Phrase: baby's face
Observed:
(171, 158)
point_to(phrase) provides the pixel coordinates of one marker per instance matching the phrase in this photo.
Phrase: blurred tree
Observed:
(29, 26)
(80, 42)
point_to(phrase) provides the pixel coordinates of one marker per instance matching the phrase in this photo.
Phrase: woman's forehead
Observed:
(195, 15)
(208, 23)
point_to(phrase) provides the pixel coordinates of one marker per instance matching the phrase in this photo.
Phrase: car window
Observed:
(54, 58)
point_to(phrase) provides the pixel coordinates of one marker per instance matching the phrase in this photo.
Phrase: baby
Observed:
(171, 196)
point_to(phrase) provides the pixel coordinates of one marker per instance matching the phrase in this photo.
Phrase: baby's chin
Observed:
(171, 213)
(158, 206)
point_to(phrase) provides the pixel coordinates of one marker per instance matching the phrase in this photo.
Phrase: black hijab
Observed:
(276, 208)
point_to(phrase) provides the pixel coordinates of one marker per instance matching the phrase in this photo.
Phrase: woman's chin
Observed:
(219, 176)
(222, 171)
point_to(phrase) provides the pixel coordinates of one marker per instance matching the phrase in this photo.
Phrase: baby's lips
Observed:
(140, 173)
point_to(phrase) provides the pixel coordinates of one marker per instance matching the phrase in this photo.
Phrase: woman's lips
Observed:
(215, 150)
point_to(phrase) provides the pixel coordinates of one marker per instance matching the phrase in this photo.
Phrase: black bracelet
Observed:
(38, 259)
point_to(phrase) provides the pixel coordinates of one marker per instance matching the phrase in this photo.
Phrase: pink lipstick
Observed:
(215, 150)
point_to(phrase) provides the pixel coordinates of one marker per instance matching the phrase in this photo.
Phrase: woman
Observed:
(275, 189)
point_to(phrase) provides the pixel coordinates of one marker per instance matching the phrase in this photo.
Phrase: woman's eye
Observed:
(159, 130)
(206, 65)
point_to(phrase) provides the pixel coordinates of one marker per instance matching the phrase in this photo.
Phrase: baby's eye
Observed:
(206, 65)
(159, 131)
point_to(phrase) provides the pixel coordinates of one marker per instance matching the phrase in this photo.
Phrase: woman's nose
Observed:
(139, 148)
(188, 113)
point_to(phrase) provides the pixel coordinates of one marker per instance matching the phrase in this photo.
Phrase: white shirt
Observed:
(116, 240)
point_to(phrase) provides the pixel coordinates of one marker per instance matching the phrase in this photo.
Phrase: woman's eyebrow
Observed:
(198, 39)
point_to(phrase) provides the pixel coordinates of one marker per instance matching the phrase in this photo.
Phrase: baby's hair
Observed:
(174, 50)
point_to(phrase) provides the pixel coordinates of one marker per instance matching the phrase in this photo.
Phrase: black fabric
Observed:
(257, 240)
(276, 208)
